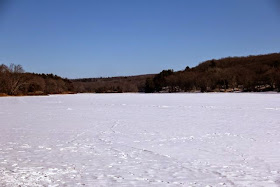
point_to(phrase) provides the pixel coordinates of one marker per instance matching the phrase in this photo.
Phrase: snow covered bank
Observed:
(140, 140)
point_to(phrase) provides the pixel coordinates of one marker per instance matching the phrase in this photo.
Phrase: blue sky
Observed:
(91, 38)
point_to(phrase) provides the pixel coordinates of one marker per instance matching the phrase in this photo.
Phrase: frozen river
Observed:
(214, 139)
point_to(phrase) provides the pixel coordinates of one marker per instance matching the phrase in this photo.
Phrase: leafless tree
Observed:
(16, 79)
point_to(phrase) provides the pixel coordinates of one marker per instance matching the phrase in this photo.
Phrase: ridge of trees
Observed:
(111, 84)
(251, 73)
(14, 81)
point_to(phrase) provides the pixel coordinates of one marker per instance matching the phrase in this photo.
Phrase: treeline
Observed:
(111, 84)
(14, 81)
(252, 73)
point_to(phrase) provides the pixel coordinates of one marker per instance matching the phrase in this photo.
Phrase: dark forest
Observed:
(244, 74)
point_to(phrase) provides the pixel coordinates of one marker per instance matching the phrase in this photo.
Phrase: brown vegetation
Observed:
(14, 81)
(252, 73)
(111, 84)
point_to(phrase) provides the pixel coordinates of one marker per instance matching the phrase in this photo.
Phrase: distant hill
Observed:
(112, 84)
(251, 73)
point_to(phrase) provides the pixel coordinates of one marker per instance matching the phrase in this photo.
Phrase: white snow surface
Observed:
(213, 139)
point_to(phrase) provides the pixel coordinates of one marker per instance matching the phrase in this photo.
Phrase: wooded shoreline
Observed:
(259, 73)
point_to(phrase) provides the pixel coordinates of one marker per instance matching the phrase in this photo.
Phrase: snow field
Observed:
(213, 139)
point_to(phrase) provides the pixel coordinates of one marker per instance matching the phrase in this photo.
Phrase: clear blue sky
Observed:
(128, 37)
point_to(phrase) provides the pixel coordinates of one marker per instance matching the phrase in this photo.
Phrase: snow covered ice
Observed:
(213, 139)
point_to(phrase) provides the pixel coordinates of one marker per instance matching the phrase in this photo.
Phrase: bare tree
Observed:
(3, 78)
(16, 79)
